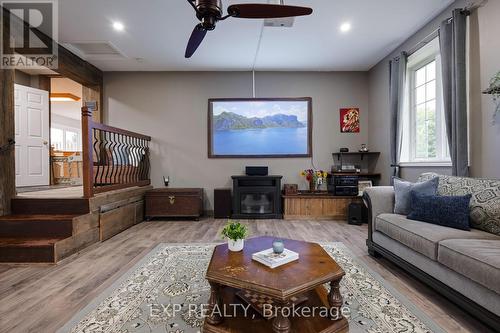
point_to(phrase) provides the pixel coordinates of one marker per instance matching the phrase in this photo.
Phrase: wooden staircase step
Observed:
(44, 250)
(37, 217)
(37, 206)
(28, 250)
(36, 226)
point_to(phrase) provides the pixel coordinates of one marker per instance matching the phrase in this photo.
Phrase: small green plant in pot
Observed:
(235, 232)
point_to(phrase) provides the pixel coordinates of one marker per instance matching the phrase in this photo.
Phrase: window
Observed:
(65, 138)
(57, 138)
(424, 131)
(71, 139)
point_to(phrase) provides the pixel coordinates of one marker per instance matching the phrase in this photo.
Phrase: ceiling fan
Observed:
(209, 12)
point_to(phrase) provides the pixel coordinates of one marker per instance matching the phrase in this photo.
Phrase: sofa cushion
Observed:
(403, 188)
(421, 236)
(452, 212)
(479, 260)
(479, 294)
(485, 202)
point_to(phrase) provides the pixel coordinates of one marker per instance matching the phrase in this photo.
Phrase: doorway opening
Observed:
(66, 132)
(48, 134)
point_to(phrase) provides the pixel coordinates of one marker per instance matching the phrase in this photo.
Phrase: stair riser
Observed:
(66, 247)
(44, 229)
(27, 254)
(50, 206)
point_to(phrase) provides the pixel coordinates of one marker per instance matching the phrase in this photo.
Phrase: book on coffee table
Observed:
(273, 260)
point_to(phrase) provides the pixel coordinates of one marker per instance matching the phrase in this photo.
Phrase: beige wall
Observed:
(484, 62)
(172, 108)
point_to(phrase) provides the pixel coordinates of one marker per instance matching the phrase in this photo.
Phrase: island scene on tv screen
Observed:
(260, 128)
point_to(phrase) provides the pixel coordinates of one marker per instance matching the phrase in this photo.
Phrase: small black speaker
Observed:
(356, 214)
(256, 171)
(222, 203)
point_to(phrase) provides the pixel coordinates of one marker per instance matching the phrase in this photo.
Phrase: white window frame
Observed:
(416, 61)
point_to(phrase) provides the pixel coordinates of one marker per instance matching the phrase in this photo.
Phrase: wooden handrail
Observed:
(121, 131)
(113, 158)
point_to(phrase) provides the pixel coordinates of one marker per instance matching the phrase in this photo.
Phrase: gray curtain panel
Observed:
(452, 40)
(397, 89)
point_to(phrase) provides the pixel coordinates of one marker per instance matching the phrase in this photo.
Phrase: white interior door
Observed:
(32, 136)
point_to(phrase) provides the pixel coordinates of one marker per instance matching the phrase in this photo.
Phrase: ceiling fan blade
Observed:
(195, 40)
(263, 11)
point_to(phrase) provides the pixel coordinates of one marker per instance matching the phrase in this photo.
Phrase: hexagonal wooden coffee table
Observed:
(230, 272)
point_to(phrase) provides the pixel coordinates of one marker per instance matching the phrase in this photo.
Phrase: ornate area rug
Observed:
(162, 292)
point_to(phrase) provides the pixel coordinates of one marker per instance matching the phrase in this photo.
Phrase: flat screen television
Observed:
(259, 128)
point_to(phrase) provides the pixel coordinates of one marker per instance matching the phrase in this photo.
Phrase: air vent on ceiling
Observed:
(94, 50)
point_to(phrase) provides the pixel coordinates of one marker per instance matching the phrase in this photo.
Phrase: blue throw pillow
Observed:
(447, 211)
(402, 189)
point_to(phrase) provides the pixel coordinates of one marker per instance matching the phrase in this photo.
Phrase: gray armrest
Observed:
(380, 200)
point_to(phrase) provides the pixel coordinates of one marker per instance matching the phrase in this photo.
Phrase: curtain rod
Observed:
(420, 44)
(466, 11)
(423, 42)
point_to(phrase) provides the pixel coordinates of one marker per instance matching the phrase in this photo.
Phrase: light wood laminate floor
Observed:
(51, 192)
(42, 298)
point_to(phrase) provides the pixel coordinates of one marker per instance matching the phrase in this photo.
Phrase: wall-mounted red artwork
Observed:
(349, 120)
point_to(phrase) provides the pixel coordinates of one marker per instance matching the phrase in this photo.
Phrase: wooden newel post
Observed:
(87, 140)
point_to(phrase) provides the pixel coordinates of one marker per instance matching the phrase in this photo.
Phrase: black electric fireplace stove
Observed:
(257, 197)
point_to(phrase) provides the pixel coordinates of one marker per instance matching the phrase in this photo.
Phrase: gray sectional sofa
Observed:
(462, 265)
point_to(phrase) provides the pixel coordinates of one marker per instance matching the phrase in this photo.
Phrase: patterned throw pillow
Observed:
(485, 202)
(448, 211)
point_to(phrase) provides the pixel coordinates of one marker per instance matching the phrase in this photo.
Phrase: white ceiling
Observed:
(157, 32)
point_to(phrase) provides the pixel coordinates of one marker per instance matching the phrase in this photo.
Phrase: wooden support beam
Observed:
(44, 83)
(7, 157)
(77, 69)
(94, 94)
(88, 159)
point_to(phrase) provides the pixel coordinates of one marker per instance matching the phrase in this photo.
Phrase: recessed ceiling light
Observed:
(118, 26)
(345, 27)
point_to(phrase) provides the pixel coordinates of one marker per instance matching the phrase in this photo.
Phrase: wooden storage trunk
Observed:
(174, 202)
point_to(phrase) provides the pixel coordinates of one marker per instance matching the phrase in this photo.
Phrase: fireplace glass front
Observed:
(257, 203)
(257, 197)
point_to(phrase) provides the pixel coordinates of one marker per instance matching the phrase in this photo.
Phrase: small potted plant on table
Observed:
(235, 232)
